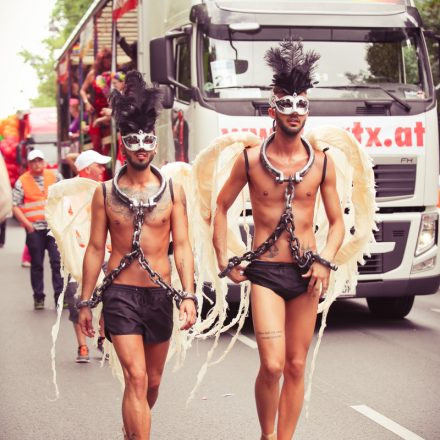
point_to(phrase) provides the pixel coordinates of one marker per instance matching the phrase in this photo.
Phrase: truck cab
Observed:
(374, 80)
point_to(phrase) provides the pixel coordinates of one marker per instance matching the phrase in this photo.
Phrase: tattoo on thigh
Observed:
(270, 334)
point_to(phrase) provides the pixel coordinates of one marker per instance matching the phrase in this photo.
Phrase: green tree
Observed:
(65, 16)
(430, 13)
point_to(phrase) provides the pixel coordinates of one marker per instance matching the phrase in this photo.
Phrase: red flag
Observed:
(120, 7)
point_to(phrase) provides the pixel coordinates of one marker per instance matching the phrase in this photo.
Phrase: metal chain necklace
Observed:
(136, 252)
(279, 175)
(286, 222)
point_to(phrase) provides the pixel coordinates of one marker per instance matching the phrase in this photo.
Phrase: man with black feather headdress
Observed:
(287, 274)
(140, 208)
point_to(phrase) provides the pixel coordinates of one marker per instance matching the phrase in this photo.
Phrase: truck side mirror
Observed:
(161, 60)
(167, 96)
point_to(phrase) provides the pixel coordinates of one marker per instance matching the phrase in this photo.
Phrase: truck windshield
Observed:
(392, 59)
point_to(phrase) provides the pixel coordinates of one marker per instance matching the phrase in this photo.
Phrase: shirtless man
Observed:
(284, 295)
(138, 313)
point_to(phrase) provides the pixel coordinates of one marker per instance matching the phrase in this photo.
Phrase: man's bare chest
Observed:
(264, 189)
(121, 217)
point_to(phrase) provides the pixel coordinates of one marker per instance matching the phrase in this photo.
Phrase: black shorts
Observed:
(132, 310)
(285, 279)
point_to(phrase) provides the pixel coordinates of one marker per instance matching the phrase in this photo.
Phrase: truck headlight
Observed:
(427, 233)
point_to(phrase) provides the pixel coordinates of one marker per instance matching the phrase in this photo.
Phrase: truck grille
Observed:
(396, 232)
(395, 180)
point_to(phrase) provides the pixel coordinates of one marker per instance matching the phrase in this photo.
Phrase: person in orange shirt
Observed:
(29, 199)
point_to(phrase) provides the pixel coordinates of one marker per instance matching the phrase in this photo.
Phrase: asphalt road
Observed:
(375, 380)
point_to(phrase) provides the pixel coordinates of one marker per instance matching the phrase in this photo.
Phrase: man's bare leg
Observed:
(268, 314)
(80, 336)
(300, 325)
(135, 410)
(155, 357)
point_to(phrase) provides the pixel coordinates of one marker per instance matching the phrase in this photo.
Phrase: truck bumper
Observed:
(393, 288)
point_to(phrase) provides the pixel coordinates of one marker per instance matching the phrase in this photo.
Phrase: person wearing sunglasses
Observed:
(140, 208)
(287, 274)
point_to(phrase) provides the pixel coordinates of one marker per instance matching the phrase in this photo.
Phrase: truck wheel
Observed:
(391, 308)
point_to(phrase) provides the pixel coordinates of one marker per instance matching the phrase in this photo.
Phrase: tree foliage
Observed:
(65, 16)
(430, 13)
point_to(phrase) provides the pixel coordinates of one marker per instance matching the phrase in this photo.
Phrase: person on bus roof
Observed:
(96, 82)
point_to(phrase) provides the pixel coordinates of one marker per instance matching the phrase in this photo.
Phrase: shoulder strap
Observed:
(246, 164)
(170, 182)
(104, 191)
(324, 166)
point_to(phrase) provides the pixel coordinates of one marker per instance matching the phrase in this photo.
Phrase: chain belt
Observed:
(286, 223)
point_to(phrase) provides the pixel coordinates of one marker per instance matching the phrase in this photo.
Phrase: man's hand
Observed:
(319, 279)
(237, 274)
(85, 322)
(188, 313)
(29, 228)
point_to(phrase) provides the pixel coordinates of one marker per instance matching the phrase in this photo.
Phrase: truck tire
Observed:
(391, 308)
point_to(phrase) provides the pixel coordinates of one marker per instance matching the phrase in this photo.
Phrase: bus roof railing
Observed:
(127, 26)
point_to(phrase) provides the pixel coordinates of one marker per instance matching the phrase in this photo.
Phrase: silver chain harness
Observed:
(286, 222)
(136, 251)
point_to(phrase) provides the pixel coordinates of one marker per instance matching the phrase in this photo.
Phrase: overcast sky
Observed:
(23, 24)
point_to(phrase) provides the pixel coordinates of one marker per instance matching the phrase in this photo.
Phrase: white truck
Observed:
(374, 80)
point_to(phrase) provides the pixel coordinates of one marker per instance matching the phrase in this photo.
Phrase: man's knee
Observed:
(272, 369)
(154, 382)
(136, 379)
(295, 368)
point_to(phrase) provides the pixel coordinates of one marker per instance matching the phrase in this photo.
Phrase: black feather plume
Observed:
(137, 107)
(293, 69)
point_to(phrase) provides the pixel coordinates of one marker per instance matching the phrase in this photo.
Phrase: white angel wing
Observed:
(211, 168)
(68, 214)
(355, 186)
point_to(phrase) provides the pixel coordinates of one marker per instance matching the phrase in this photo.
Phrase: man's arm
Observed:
(183, 255)
(93, 258)
(319, 273)
(83, 91)
(332, 205)
(17, 199)
(232, 187)
(19, 215)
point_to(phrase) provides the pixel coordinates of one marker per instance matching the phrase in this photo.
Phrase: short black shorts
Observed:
(132, 310)
(285, 279)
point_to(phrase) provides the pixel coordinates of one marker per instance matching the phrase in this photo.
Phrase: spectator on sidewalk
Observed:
(29, 199)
